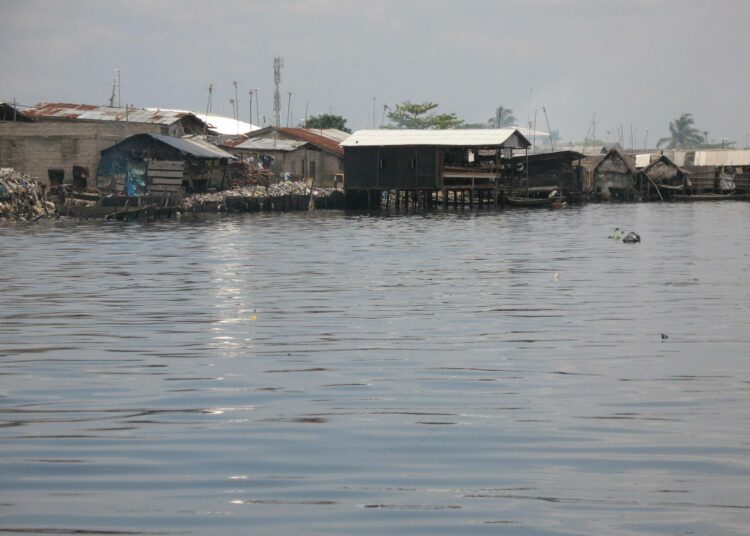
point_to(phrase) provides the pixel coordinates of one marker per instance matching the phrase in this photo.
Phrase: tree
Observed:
(421, 116)
(683, 134)
(327, 121)
(503, 118)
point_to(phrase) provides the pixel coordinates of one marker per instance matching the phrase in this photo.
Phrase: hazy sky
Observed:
(639, 63)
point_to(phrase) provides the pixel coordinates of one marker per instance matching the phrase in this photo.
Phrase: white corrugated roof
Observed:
(219, 123)
(333, 133)
(728, 157)
(503, 137)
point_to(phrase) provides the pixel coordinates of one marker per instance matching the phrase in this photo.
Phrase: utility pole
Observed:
(288, 108)
(551, 143)
(250, 117)
(237, 105)
(257, 110)
(208, 106)
(645, 142)
(234, 108)
(278, 63)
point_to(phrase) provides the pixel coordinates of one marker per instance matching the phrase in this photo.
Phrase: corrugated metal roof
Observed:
(332, 133)
(312, 136)
(205, 145)
(727, 157)
(270, 144)
(503, 137)
(220, 124)
(192, 146)
(87, 112)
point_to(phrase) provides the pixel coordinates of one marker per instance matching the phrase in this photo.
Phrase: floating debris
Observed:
(632, 238)
(23, 198)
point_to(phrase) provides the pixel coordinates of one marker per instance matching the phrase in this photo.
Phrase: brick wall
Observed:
(33, 148)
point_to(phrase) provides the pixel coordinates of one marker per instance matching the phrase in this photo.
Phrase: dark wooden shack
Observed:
(162, 166)
(425, 164)
(557, 170)
(614, 177)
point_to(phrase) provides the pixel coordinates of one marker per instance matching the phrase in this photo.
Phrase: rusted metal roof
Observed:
(87, 112)
(503, 137)
(309, 135)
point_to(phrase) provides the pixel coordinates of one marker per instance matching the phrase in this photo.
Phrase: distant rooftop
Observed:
(227, 126)
(502, 137)
(89, 112)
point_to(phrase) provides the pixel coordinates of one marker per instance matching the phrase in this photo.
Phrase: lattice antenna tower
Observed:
(114, 98)
(278, 63)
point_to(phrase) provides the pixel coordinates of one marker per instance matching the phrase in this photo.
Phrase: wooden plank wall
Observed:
(165, 177)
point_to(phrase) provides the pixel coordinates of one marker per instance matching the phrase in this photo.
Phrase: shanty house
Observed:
(661, 178)
(301, 152)
(68, 138)
(558, 170)
(614, 177)
(162, 166)
(281, 156)
(430, 160)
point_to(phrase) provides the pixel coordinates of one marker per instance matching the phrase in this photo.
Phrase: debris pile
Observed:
(287, 195)
(246, 174)
(22, 197)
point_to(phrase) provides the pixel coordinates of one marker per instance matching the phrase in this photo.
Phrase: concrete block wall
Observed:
(33, 148)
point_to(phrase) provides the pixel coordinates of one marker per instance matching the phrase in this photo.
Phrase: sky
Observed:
(630, 65)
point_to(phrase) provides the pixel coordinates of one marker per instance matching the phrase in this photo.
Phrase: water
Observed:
(475, 373)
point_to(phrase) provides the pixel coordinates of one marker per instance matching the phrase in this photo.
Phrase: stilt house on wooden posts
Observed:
(558, 170)
(614, 177)
(429, 161)
(662, 178)
(162, 166)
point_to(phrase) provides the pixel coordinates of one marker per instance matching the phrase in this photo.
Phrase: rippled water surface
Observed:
(475, 373)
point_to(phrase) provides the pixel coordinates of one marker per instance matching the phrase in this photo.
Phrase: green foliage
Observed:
(503, 118)
(683, 134)
(421, 116)
(327, 121)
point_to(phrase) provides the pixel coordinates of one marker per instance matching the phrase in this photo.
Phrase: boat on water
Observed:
(707, 197)
(534, 202)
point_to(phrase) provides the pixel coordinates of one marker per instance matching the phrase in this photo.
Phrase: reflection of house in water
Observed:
(162, 166)
(65, 136)
(300, 152)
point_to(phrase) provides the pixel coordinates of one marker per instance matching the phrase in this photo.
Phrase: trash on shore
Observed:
(222, 200)
(23, 198)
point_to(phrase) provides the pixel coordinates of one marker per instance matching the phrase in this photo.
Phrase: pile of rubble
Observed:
(243, 174)
(219, 201)
(23, 198)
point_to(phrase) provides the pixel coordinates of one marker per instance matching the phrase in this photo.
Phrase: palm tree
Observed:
(684, 134)
(503, 118)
